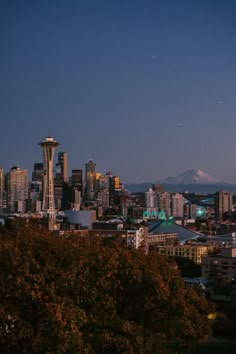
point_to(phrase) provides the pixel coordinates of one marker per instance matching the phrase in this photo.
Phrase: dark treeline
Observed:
(77, 295)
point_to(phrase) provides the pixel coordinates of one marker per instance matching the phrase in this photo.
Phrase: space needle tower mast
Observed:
(49, 145)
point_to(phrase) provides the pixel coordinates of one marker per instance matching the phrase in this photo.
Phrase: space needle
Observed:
(49, 145)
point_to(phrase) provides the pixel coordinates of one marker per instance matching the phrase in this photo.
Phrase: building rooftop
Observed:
(49, 140)
(170, 227)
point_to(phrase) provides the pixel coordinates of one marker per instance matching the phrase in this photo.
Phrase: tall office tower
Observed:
(76, 182)
(103, 198)
(62, 165)
(151, 200)
(103, 183)
(102, 187)
(1, 189)
(17, 189)
(177, 205)
(223, 203)
(98, 178)
(36, 187)
(164, 202)
(49, 145)
(60, 179)
(90, 180)
(58, 191)
(114, 187)
(37, 174)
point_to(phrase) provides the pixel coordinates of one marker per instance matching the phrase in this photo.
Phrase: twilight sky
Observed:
(144, 88)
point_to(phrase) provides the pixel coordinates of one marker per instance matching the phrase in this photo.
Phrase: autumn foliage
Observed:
(79, 296)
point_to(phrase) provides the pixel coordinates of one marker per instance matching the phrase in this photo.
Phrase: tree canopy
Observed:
(77, 295)
(187, 267)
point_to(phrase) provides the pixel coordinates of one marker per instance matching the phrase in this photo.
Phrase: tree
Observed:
(187, 267)
(79, 296)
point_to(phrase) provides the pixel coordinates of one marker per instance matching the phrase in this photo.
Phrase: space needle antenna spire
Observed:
(49, 145)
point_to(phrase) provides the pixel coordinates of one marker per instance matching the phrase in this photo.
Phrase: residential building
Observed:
(114, 230)
(190, 251)
(17, 189)
(223, 263)
(151, 200)
(190, 211)
(162, 239)
(164, 202)
(223, 203)
(177, 205)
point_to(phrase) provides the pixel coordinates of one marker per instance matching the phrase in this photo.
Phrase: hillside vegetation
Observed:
(79, 296)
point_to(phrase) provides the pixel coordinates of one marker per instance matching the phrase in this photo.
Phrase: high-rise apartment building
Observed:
(190, 211)
(90, 180)
(151, 199)
(177, 205)
(223, 203)
(17, 189)
(164, 201)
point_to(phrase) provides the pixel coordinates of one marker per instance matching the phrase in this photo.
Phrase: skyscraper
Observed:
(17, 189)
(223, 203)
(114, 186)
(77, 180)
(49, 145)
(77, 188)
(102, 185)
(151, 200)
(164, 202)
(36, 187)
(37, 174)
(177, 205)
(62, 164)
(90, 180)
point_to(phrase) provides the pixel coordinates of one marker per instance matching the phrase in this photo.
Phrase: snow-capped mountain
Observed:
(191, 177)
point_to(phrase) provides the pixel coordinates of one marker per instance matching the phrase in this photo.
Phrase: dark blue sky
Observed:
(145, 88)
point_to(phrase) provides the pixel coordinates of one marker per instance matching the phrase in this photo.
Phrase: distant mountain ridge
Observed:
(192, 176)
(193, 181)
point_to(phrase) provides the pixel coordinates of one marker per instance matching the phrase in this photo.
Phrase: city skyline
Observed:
(145, 89)
(190, 176)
